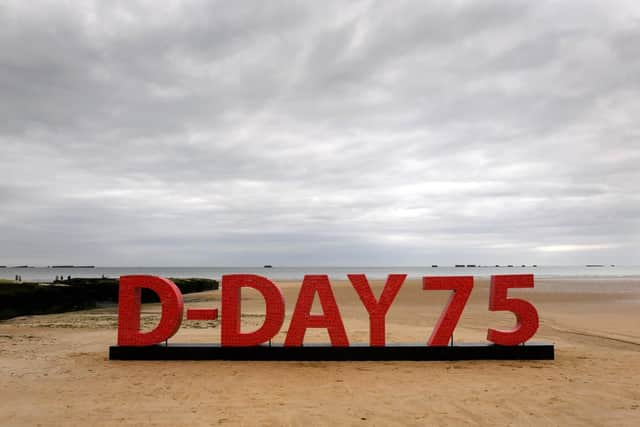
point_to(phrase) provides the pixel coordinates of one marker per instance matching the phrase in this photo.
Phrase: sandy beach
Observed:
(55, 369)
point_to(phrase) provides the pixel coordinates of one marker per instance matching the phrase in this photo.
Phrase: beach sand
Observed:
(55, 369)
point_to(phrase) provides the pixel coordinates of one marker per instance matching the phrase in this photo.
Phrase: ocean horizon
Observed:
(48, 274)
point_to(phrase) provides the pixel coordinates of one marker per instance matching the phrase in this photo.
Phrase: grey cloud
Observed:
(318, 133)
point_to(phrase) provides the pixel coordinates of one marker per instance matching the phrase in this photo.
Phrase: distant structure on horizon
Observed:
(73, 266)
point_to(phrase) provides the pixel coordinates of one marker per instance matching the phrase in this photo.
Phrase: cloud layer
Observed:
(319, 133)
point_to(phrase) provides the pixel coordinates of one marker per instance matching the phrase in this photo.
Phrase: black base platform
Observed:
(324, 352)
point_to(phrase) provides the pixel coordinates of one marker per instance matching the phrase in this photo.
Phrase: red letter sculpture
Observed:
(274, 316)
(461, 287)
(377, 309)
(303, 319)
(129, 310)
(525, 312)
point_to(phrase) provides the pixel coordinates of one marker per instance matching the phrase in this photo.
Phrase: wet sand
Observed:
(55, 370)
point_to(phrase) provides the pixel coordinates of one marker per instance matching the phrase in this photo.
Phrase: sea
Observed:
(48, 274)
(619, 279)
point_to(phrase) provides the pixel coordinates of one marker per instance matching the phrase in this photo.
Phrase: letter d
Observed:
(274, 301)
(129, 310)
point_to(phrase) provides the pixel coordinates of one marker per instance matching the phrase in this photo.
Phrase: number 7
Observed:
(461, 287)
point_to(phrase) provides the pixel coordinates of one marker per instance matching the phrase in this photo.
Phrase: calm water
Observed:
(297, 273)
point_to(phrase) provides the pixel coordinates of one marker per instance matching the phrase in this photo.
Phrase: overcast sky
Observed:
(319, 133)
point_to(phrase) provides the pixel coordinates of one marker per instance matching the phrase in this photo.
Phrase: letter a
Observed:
(303, 319)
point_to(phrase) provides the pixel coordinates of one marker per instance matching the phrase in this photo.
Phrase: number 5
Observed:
(525, 312)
